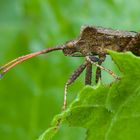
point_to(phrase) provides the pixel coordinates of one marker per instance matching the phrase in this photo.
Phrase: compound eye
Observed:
(70, 44)
(70, 48)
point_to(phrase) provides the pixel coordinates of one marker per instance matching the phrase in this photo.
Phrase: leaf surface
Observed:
(109, 111)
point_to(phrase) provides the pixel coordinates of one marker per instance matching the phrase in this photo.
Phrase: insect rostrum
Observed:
(92, 43)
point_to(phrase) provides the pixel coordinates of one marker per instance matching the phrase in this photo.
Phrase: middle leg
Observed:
(88, 76)
(98, 70)
(92, 58)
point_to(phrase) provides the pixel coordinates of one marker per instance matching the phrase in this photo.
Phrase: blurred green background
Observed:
(32, 93)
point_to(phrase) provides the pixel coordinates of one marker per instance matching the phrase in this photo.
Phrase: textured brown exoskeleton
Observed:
(92, 44)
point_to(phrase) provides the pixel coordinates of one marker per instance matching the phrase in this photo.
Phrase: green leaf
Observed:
(109, 112)
(29, 99)
(48, 134)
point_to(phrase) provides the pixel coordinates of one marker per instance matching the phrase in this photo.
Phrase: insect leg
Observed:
(98, 70)
(89, 58)
(72, 78)
(88, 77)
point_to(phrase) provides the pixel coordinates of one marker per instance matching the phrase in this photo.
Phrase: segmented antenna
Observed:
(5, 68)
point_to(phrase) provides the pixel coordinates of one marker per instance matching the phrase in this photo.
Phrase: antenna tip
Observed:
(1, 75)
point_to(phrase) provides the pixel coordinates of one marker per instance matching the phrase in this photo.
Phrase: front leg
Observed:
(72, 78)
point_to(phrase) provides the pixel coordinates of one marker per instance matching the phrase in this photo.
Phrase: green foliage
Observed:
(111, 111)
(32, 93)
